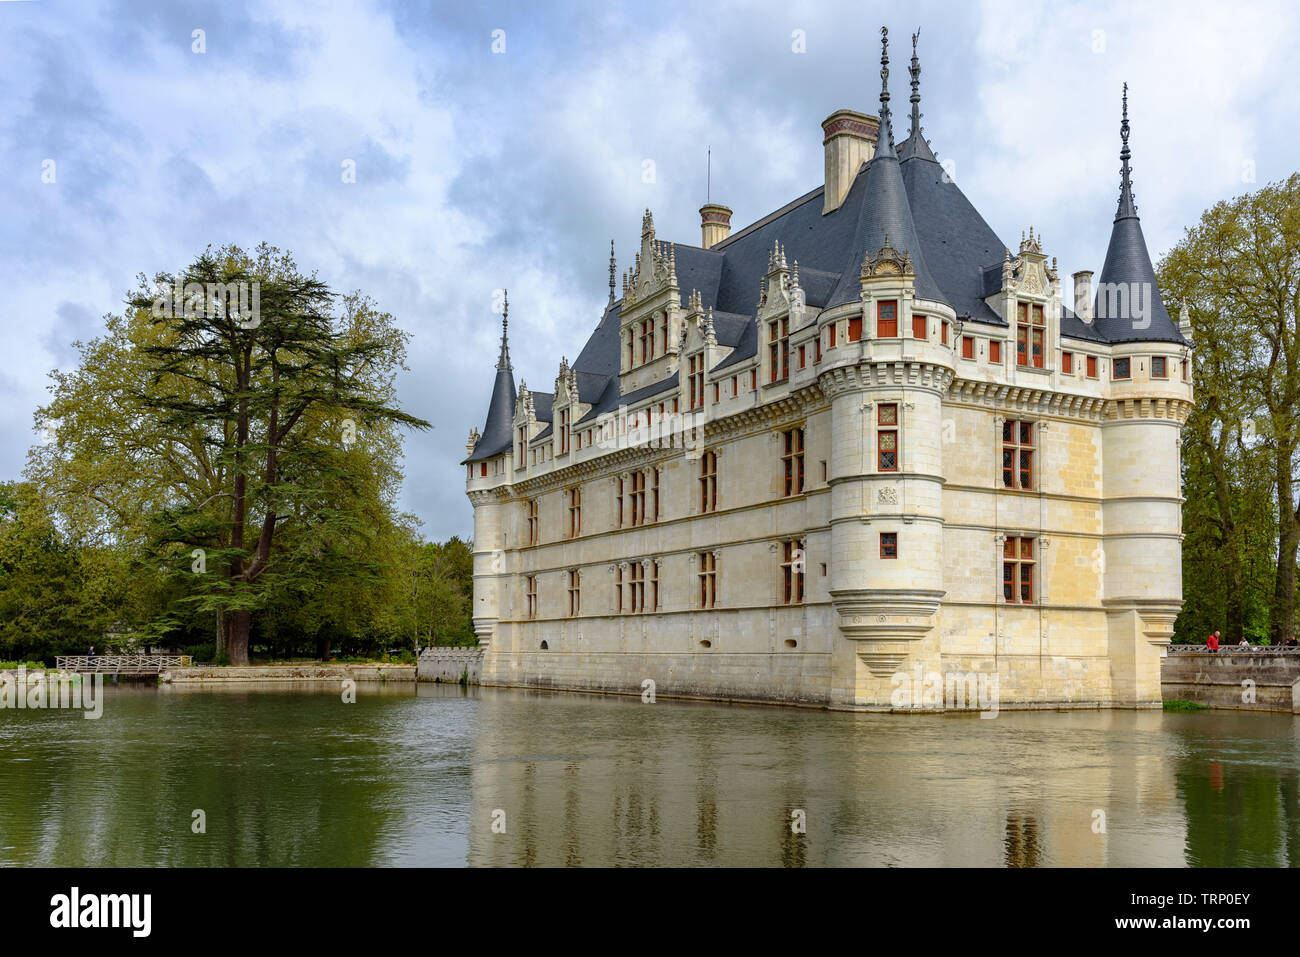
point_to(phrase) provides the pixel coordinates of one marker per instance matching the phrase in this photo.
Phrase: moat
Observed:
(431, 776)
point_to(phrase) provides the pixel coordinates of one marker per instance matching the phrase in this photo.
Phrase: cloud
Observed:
(477, 170)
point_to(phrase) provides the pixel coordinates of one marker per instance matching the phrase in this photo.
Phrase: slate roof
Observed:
(901, 191)
(1140, 316)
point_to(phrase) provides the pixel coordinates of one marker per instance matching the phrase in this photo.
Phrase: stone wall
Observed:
(308, 671)
(450, 664)
(1217, 679)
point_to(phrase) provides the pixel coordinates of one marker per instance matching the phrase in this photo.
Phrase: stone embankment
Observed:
(303, 671)
(450, 665)
(1243, 679)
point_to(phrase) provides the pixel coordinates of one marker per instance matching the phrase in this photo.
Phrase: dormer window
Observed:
(564, 431)
(1029, 335)
(695, 382)
(647, 340)
(887, 320)
(778, 337)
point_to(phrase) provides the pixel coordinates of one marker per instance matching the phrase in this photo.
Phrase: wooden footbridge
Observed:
(120, 664)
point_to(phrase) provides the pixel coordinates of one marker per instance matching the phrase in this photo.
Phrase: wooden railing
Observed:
(121, 664)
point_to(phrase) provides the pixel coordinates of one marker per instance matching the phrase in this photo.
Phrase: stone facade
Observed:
(806, 519)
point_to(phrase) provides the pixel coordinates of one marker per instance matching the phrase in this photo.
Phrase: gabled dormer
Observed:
(566, 409)
(1028, 298)
(698, 351)
(781, 310)
(650, 318)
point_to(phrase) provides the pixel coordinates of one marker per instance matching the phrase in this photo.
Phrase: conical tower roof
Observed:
(1128, 306)
(885, 216)
(498, 431)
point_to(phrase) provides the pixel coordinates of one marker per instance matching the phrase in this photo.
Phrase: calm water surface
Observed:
(408, 777)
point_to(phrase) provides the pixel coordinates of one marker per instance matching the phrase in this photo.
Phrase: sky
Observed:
(503, 145)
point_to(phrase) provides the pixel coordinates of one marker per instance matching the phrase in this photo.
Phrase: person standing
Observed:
(1213, 643)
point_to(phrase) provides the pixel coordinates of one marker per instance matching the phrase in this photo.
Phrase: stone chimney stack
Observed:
(1083, 294)
(715, 223)
(849, 139)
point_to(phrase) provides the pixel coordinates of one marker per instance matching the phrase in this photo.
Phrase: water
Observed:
(406, 777)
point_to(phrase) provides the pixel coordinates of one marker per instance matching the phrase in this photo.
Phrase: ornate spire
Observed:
(915, 71)
(1126, 205)
(884, 76)
(504, 361)
(611, 272)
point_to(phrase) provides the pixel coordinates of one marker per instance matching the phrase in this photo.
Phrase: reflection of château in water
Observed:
(890, 445)
(581, 781)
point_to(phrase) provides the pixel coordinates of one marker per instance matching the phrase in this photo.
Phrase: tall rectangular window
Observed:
(636, 588)
(647, 339)
(919, 330)
(1092, 367)
(995, 352)
(943, 332)
(1067, 363)
(855, 330)
(1030, 329)
(1018, 570)
(575, 593)
(638, 498)
(1159, 367)
(530, 595)
(792, 461)
(663, 332)
(887, 437)
(708, 575)
(564, 431)
(618, 589)
(830, 331)
(575, 511)
(1018, 455)
(653, 598)
(533, 524)
(621, 493)
(778, 337)
(968, 347)
(654, 496)
(708, 481)
(887, 320)
(792, 567)
(695, 382)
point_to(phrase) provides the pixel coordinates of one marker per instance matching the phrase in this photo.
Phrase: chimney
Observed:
(715, 223)
(849, 138)
(1083, 294)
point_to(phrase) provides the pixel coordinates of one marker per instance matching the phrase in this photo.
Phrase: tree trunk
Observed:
(1288, 542)
(222, 625)
(323, 649)
(238, 641)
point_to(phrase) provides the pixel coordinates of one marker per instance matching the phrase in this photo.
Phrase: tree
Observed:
(235, 433)
(1238, 270)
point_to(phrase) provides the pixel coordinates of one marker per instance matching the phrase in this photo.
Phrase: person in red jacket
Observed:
(1213, 642)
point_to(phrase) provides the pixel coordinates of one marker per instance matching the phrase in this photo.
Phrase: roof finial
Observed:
(884, 73)
(611, 272)
(1127, 207)
(504, 361)
(915, 71)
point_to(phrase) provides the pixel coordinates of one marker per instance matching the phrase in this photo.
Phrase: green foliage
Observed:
(228, 485)
(1238, 273)
(1181, 706)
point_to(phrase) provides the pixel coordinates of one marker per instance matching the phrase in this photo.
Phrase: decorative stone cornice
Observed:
(1027, 400)
(1149, 407)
